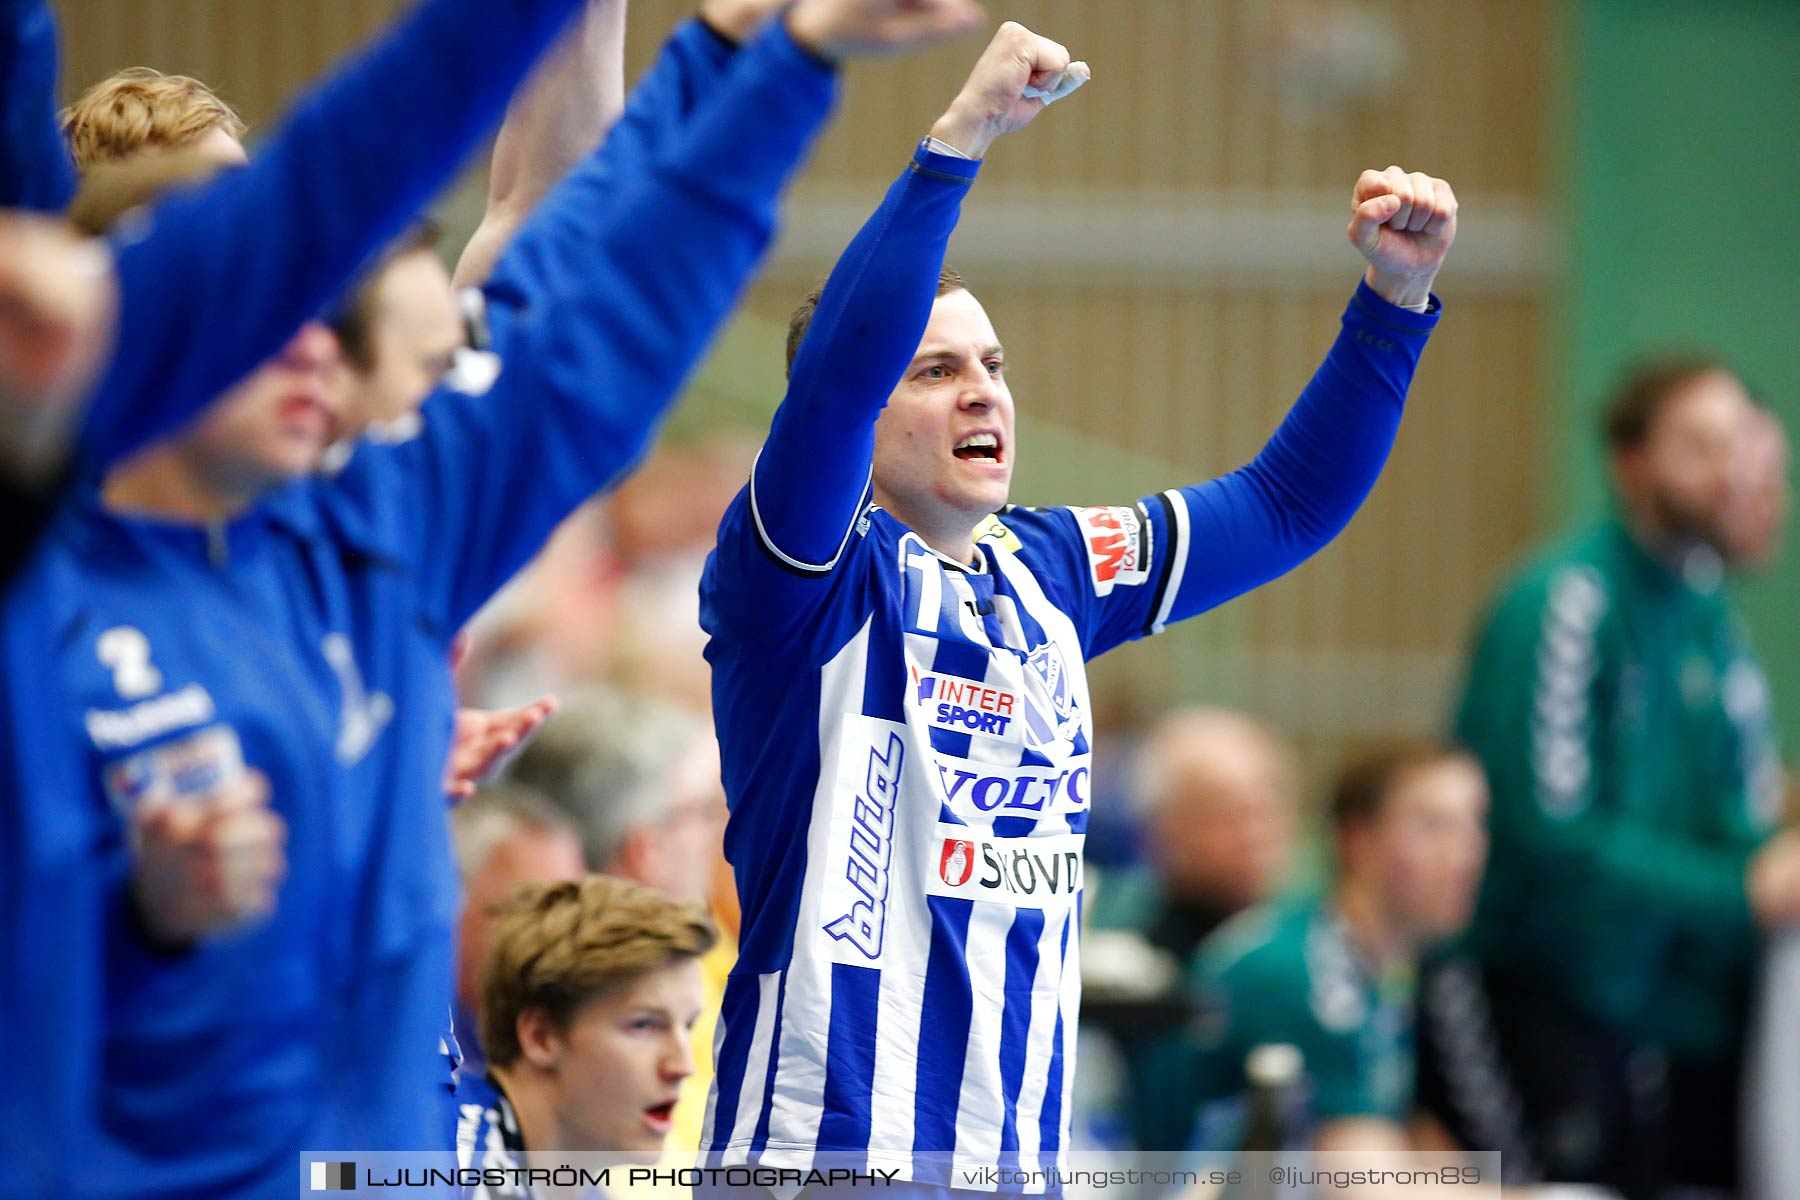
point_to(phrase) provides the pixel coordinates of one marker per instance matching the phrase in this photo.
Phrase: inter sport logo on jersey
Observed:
(870, 849)
(965, 706)
(1118, 545)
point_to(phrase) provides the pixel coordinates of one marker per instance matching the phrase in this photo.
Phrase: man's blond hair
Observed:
(141, 109)
(558, 945)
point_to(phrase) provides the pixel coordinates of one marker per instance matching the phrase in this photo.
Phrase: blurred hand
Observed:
(1403, 223)
(206, 863)
(994, 101)
(57, 306)
(484, 740)
(739, 19)
(840, 29)
(1772, 881)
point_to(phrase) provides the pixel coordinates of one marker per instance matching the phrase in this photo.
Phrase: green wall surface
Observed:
(1684, 199)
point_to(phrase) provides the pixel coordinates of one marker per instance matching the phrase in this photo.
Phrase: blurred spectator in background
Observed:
(615, 597)
(1332, 976)
(589, 998)
(665, 520)
(555, 627)
(1217, 794)
(1761, 495)
(641, 780)
(1624, 724)
(505, 836)
(608, 759)
(1758, 519)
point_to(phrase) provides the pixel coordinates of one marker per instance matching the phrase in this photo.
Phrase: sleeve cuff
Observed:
(955, 166)
(1375, 310)
(719, 37)
(778, 34)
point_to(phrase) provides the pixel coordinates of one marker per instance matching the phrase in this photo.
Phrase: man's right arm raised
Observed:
(813, 476)
(219, 278)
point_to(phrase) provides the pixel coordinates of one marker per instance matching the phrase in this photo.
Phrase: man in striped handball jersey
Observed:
(898, 675)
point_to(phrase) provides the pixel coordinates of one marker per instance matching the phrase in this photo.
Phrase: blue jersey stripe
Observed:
(850, 1057)
(762, 1122)
(738, 1010)
(1015, 1021)
(768, 862)
(943, 1035)
(1050, 1121)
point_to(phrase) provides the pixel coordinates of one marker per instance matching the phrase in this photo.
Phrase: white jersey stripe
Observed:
(1045, 1000)
(756, 1070)
(981, 1107)
(1071, 1009)
(1179, 553)
(806, 1010)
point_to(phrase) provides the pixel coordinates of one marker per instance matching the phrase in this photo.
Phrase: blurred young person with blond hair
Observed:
(590, 991)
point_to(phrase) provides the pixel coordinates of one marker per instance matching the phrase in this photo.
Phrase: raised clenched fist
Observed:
(1402, 222)
(1016, 77)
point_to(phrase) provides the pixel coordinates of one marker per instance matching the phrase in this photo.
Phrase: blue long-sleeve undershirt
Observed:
(864, 331)
(1232, 533)
(1268, 516)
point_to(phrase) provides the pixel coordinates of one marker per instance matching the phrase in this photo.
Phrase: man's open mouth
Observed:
(979, 447)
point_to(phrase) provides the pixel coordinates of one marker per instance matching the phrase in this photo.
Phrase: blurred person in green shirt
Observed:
(1624, 724)
(1216, 793)
(1332, 974)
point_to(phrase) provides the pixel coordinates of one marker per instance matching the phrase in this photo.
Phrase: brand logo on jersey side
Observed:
(1118, 545)
(1027, 872)
(871, 850)
(1014, 789)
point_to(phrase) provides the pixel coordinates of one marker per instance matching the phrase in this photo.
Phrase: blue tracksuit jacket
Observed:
(317, 627)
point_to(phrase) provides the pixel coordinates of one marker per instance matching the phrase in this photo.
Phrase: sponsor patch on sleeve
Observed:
(1118, 546)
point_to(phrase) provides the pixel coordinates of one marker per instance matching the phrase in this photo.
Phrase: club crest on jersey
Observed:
(1118, 545)
(957, 862)
(871, 850)
(1050, 710)
(960, 705)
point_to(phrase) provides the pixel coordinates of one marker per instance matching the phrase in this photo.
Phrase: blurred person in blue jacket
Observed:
(347, 590)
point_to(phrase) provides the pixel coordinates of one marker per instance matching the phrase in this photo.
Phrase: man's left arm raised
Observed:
(1186, 550)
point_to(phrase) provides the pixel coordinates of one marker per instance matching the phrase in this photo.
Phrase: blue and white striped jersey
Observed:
(906, 740)
(314, 629)
(915, 878)
(487, 1138)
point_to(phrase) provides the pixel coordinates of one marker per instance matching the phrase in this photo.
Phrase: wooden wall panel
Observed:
(1128, 381)
(254, 52)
